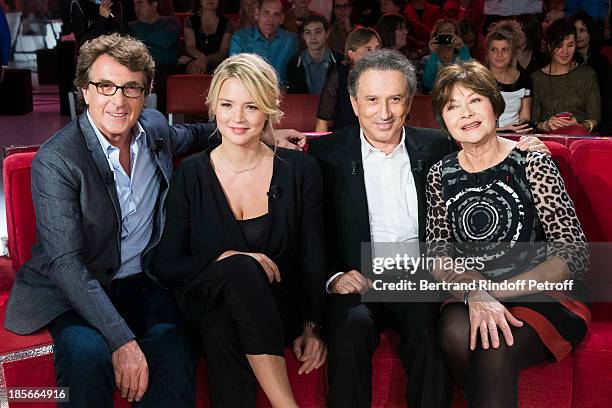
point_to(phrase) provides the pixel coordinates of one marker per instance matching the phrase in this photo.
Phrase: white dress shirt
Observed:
(393, 206)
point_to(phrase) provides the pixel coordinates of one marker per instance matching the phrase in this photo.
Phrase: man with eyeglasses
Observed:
(99, 187)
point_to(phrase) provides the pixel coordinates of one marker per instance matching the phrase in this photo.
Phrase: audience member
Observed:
(418, 30)
(587, 53)
(207, 38)
(566, 96)
(308, 71)
(246, 260)
(446, 47)
(295, 16)
(395, 32)
(423, 12)
(530, 55)
(274, 44)
(392, 6)
(495, 10)
(335, 111)
(503, 42)
(90, 20)
(322, 7)
(472, 11)
(248, 10)
(599, 11)
(341, 25)
(365, 12)
(472, 39)
(161, 36)
(489, 336)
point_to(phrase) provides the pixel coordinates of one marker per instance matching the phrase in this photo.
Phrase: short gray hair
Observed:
(383, 60)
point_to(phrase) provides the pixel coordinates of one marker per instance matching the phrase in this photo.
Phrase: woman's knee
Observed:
(243, 269)
(454, 330)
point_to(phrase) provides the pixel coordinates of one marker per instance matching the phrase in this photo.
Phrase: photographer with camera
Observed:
(446, 47)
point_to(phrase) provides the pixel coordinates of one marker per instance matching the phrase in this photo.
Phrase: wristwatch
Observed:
(466, 295)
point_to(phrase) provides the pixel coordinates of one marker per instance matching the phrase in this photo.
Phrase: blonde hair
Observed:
(257, 76)
(508, 30)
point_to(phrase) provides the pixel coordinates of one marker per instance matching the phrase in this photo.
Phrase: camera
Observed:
(444, 39)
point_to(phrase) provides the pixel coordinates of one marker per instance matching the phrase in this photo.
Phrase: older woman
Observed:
(503, 43)
(490, 192)
(566, 95)
(243, 244)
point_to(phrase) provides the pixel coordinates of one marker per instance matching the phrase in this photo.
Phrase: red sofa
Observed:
(581, 380)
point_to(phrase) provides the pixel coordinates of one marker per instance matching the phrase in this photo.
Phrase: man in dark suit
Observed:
(99, 187)
(374, 187)
(374, 191)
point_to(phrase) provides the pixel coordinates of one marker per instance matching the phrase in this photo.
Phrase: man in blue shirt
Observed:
(307, 72)
(268, 40)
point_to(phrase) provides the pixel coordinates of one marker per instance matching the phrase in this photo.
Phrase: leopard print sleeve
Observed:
(438, 228)
(556, 212)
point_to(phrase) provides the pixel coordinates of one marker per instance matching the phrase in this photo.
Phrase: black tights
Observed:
(488, 378)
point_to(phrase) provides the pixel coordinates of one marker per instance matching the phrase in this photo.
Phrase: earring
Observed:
(497, 123)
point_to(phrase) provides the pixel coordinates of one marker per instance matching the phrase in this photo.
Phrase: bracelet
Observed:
(590, 129)
(466, 295)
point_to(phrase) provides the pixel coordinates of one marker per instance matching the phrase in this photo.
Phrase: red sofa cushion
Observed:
(590, 160)
(20, 219)
(592, 383)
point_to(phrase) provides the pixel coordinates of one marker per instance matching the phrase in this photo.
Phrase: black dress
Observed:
(335, 102)
(230, 302)
(521, 199)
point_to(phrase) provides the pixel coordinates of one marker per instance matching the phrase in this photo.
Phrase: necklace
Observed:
(239, 171)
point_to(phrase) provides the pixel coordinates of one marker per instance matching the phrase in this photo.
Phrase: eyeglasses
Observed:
(109, 89)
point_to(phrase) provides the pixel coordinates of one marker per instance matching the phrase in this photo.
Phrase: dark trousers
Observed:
(83, 359)
(232, 306)
(354, 334)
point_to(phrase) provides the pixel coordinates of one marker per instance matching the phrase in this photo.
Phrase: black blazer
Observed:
(201, 226)
(346, 205)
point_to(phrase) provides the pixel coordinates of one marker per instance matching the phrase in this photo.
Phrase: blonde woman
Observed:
(243, 244)
(503, 43)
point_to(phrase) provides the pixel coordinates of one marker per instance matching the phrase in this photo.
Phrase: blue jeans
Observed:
(83, 359)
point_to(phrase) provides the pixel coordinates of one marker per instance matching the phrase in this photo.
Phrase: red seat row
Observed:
(581, 380)
(186, 94)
